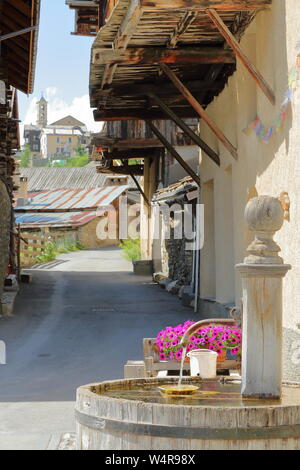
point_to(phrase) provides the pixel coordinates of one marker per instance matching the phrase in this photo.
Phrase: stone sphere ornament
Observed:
(264, 216)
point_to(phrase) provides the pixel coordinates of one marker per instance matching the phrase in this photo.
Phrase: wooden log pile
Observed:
(8, 136)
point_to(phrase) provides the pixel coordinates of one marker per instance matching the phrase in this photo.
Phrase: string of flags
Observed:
(265, 133)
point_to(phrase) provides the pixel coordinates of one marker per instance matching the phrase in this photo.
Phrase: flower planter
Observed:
(222, 356)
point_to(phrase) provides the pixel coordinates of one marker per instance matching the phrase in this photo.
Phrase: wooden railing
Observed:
(33, 245)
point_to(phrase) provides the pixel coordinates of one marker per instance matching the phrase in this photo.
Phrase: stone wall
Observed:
(177, 261)
(5, 222)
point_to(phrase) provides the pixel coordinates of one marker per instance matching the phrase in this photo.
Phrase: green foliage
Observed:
(49, 254)
(52, 250)
(25, 156)
(79, 160)
(131, 249)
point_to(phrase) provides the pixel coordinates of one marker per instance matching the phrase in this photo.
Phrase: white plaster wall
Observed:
(190, 153)
(270, 41)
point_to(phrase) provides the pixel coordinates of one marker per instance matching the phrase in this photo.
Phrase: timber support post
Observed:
(199, 109)
(233, 43)
(174, 153)
(180, 123)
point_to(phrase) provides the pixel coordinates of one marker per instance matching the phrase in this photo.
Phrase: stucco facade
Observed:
(272, 43)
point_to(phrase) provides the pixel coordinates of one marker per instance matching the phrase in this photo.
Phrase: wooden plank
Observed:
(125, 114)
(233, 43)
(133, 153)
(161, 88)
(194, 137)
(126, 144)
(123, 37)
(175, 154)
(128, 26)
(199, 5)
(182, 27)
(21, 6)
(200, 110)
(158, 55)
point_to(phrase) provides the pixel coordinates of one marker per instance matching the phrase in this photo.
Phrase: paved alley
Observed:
(78, 322)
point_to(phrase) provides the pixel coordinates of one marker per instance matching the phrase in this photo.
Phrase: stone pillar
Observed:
(262, 272)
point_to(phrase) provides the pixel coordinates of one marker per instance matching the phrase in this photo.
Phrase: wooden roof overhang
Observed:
(140, 35)
(117, 154)
(18, 53)
(156, 59)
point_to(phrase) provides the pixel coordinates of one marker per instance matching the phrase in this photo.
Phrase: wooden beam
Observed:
(233, 43)
(123, 38)
(194, 137)
(126, 144)
(21, 6)
(139, 187)
(200, 110)
(159, 55)
(182, 27)
(128, 26)
(174, 153)
(132, 153)
(161, 88)
(200, 5)
(125, 114)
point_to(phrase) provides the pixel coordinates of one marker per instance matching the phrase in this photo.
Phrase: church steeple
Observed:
(42, 112)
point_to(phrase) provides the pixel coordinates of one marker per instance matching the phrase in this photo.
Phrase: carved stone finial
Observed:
(264, 216)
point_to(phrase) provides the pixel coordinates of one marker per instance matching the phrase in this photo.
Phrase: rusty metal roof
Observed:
(40, 179)
(55, 219)
(72, 199)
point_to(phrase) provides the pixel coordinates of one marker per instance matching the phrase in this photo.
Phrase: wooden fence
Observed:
(34, 245)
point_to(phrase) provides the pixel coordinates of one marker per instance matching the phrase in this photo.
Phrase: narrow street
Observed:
(79, 321)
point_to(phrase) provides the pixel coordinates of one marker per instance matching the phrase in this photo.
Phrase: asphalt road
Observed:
(78, 322)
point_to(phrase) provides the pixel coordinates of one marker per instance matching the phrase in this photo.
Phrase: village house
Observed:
(243, 87)
(57, 141)
(71, 202)
(18, 37)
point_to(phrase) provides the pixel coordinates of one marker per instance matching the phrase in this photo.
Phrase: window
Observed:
(70, 140)
(57, 140)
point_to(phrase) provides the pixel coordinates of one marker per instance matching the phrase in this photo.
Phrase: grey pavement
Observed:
(78, 322)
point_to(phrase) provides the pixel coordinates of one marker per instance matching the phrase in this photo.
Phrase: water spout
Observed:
(201, 324)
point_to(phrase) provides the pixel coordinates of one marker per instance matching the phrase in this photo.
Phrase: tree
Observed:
(25, 156)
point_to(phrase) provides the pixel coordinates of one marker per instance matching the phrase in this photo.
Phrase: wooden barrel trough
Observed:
(135, 415)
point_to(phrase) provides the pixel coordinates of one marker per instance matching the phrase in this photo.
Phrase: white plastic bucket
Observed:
(203, 363)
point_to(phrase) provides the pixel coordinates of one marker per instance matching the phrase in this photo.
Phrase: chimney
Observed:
(23, 192)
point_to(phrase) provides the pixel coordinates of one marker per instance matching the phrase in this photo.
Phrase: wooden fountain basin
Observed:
(135, 415)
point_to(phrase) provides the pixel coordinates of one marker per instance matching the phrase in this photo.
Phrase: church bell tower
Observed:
(42, 111)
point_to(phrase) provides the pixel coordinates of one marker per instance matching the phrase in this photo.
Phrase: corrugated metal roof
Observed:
(73, 199)
(40, 179)
(55, 219)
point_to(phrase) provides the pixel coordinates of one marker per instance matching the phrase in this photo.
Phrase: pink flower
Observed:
(235, 351)
(162, 357)
(175, 343)
(179, 354)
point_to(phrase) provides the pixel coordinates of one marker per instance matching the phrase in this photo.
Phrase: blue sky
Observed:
(62, 69)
